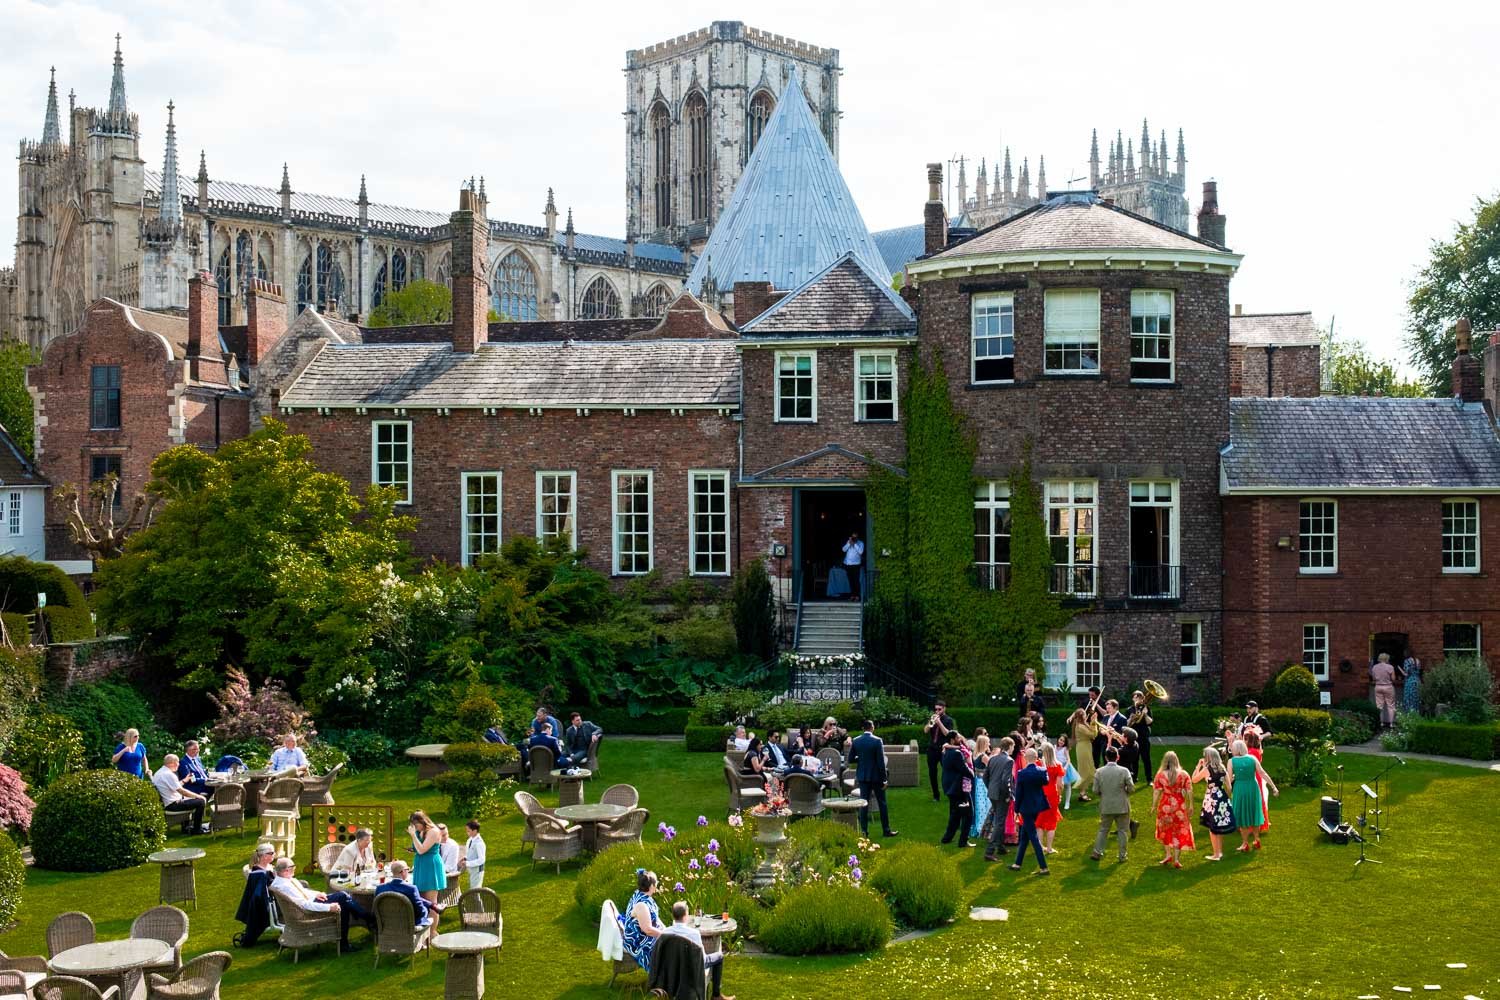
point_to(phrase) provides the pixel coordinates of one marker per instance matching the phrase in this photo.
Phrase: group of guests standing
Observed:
(1386, 675)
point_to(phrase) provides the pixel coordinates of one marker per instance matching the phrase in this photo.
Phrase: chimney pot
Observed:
(471, 291)
(1210, 221)
(205, 360)
(1239, 310)
(1468, 373)
(934, 214)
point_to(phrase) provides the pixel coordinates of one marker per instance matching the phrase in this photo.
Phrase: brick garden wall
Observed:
(70, 663)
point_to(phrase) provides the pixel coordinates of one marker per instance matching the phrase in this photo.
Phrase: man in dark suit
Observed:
(398, 884)
(190, 769)
(956, 774)
(578, 741)
(1031, 802)
(937, 729)
(998, 778)
(867, 755)
(776, 754)
(544, 738)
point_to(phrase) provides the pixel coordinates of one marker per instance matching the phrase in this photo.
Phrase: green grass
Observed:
(1295, 920)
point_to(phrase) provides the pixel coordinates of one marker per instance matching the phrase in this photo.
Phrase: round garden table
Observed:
(465, 976)
(112, 963)
(589, 816)
(429, 758)
(846, 809)
(570, 786)
(179, 883)
(713, 929)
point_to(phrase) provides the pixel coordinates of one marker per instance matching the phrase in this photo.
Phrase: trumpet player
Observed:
(937, 729)
(1140, 721)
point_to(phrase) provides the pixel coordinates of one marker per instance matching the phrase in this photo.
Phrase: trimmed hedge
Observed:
(920, 883)
(18, 625)
(823, 919)
(1453, 739)
(12, 878)
(619, 721)
(706, 739)
(95, 821)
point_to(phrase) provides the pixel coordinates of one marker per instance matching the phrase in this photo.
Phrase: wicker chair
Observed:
(303, 928)
(804, 794)
(18, 975)
(556, 841)
(621, 795)
(831, 759)
(68, 930)
(71, 988)
(527, 803)
(13, 984)
(328, 856)
(542, 763)
(34, 965)
(593, 762)
(479, 910)
(626, 963)
(229, 808)
(396, 932)
(901, 766)
(197, 980)
(279, 795)
(625, 830)
(318, 791)
(741, 797)
(167, 924)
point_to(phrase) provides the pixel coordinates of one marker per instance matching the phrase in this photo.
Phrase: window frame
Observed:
(1174, 540)
(14, 515)
(1072, 504)
(375, 426)
(860, 403)
(1302, 551)
(1049, 338)
(1006, 303)
(112, 399)
(1444, 551)
(466, 553)
(572, 476)
(1327, 646)
(1196, 667)
(614, 521)
(721, 476)
(1478, 649)
(1170, 336)
(1077, 684)
(776, 375)
(996, 498)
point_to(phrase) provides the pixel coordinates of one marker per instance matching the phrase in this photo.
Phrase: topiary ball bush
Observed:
(95, 821)
(920, 884)
(12, 878)
(1296, 687)
(823, 919)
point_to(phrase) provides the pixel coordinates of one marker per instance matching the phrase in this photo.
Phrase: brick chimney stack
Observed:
(934, 215)
(1492, 375)
(471, 290)
(1210, 222)
(265, 308)
(1468, 384)
(205, 360)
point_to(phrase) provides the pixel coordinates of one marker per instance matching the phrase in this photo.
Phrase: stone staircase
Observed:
(829, 628)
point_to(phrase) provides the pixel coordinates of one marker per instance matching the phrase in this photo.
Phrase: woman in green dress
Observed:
(427, 867)
(1249, 812)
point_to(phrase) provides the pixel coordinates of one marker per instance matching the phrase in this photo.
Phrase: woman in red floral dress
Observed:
(1172, 801)
(1047, 821)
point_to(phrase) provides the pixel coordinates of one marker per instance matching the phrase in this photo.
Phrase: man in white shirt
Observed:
(474, 856)
(316, 902)
(741, 739)
(358, 855)
(714, 963)
(177, 799)
(290, 757)
(854, 558)
(448, 850)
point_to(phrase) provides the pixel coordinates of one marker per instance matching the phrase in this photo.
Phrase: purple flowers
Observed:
(702, 820)
(736, 820)
(713, 846)
(711, 859)
(669, 833)
(856, 874)
(693, 865)
(854, 861)
(679, 888)
(661, 828)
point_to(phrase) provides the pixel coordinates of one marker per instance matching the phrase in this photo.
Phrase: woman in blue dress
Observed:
(982, 756)
(641, 924)
(427, 867)
(130, 756)
(1411, 691)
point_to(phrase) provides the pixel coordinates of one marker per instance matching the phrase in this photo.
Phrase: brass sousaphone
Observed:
(1154, 691)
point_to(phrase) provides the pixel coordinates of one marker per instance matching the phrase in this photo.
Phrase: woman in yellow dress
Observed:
(1082, 730)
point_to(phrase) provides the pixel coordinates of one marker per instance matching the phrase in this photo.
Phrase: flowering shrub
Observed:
(825, 919)
(12, 879)
(264, 715)
(46, 747)
(15, 804)
(832, 661)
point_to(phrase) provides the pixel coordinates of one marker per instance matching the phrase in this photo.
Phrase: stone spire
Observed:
(1041, 178)
(171, 193)
(1023, 189)
(1119, 177)
(1145, 148)
(51, 132)
(117, 107)
(286, 193)
(1161, 155)
(963, 186)
(1130, 159)
(1094, 161)
(550, 214)
(1008, 176)
(202, 181)
(982, 185)
(569, 232)
(1181, 157)
(364, 202)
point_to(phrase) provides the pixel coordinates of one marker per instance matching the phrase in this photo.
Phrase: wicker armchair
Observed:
(621, 795)
(328, 856)
(804, 794)
(901, 766)
(279, 796)
(318, 791)
(34, 965)
(396, 932)
(168, 925)
(527, 803)
(71, 988)
(479, 910)
(13, 984)
(542, 763)
(556, 841)
(229, 808)
(831, 759)
(197, 980)
(68, 930)
(18, 975)
(625, 830)
(303, 928)
(741, 797)
(593, 761)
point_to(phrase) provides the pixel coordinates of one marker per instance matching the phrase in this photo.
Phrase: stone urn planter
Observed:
(770, 833)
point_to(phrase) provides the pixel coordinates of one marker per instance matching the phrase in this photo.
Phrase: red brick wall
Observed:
(519, 445)
(1389, 579)
(1295, 371)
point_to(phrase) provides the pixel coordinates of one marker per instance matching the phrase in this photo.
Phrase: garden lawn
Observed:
(1294, 920)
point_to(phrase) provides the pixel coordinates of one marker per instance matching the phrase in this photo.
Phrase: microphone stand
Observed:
(1378, 830)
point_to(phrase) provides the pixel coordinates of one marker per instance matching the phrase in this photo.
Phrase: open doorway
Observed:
(1393, 643)
(825, 520)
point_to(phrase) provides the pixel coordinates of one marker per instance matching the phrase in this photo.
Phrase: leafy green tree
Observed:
(420, 303)
(260, 560)
(15, 402)
(1461, 279)
(1354, 371)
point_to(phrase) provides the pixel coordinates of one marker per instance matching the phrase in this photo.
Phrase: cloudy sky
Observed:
(1344, 139)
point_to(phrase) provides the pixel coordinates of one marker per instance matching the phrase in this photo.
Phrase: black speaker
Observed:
(1332, 812)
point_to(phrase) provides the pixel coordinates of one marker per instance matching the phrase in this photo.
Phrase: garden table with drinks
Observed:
(589, 815)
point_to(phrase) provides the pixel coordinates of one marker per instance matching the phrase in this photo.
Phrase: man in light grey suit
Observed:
(999, 774)
(1112, 785)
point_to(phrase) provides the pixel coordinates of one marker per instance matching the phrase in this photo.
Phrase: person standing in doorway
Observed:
(854, 561)
(1384, 676)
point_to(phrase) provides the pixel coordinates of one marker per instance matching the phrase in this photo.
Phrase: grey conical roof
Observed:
(791, 214)
(117, 106)
(51, 132)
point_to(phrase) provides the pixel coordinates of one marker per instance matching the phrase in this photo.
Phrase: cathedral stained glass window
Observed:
(515, 290)
(695, 113)
(600, 300)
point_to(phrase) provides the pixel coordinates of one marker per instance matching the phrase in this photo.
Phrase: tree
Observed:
(420, 303)
(1461, 280)
(15, 402)
(99, 530)
(260, 560)
(1354, 371)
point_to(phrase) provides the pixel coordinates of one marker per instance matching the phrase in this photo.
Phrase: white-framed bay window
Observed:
(992, 337)
(708, 522)
(1152, 347)
(557, 506)
(1074, 657)
(1460, 535)
(1318, 536)
(796, 386)
(632, 516)
(1072, 516)
(874, 386)
(1070, 341)
(390, 456)
(1315, 650)
(480, 533)
(992, 534)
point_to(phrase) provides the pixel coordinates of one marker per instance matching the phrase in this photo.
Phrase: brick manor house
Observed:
(1211, 516)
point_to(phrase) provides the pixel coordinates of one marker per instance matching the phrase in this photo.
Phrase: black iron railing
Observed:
(1075, 581)
(1150, 581)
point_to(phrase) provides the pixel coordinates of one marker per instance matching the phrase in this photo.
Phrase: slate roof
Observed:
(1331, 443)
(15, 470)
(843, 298)
(528, 332)
(1282, 329)
(662, 373)
(1076, 221)
(791, 214)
